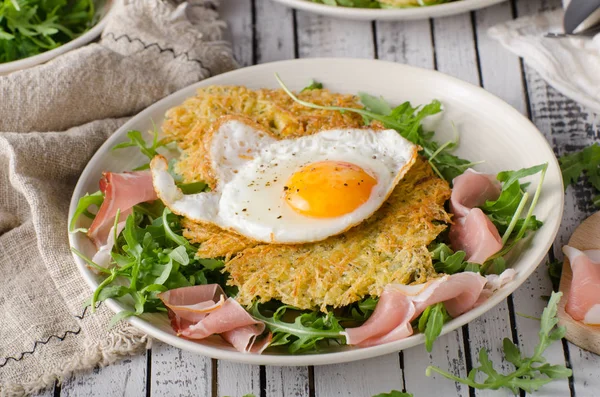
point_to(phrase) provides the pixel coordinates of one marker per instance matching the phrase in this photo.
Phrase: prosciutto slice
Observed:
(472, 189)
(121, 191)
(401, 304)
(583, 301)
(203, 310)
(472, 231)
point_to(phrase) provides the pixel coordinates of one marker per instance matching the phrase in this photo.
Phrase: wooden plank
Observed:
(454, 47)
(406, 42)
(175, 371)
(235, 379)
(319, 36)
(125, 378)
(360, 378)
(274, 32)
(448, 354)
(238, 15)
(287, 381)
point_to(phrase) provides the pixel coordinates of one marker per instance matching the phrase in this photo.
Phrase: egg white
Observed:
(252, 169)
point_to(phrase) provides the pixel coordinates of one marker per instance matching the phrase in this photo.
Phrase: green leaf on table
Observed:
(584, 162)
(394, 393)
(555, 272)
(530, 373)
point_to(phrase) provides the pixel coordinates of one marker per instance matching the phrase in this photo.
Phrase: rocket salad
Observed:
(151, 256)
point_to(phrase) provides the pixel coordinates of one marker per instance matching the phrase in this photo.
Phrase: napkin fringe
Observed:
(118, 345)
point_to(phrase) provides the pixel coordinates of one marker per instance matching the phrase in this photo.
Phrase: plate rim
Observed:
(390, 14)
(351, 354)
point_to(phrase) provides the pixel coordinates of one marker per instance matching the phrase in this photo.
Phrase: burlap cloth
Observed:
(149, 49)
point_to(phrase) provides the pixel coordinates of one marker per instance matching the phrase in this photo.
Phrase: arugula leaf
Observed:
(530, 373)
(307, 330)
(554, 272)
(30, 27)
(585, 162)
(394, 393)
(405, 119)
(150, 256)
(517, 227)
(312, 85)
(445, 260)
(82, 209)
(436, 318)
(361, 311)
(136, 140)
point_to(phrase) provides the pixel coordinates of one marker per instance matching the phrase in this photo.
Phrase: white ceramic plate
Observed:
(491, 130)
(102, 11)
(390, 14)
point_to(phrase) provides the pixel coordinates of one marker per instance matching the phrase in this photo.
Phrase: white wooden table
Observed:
(262, 32)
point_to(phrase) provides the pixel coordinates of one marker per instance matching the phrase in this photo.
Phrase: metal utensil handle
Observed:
(577, 11)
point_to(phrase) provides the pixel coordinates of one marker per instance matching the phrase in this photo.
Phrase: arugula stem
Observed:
(104, 283)
(515, 218)
(90, 262)
(362, 112)
(115, 234)
(536, 196)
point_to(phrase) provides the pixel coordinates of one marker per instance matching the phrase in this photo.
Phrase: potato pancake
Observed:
(389, 247)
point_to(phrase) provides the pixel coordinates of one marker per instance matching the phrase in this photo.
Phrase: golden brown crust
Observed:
(273, 110)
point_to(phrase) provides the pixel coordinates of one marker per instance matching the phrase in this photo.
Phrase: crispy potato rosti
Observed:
(389, 247)
(273, 110)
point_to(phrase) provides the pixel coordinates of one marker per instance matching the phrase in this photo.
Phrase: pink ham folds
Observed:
(472, 231)
(121, 191)
(583, 301)
(400, 304)
(203, 310)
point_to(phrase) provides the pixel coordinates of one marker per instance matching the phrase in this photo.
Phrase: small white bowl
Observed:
(103, 10)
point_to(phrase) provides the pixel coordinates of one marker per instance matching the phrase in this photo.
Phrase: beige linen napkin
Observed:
(149, 49)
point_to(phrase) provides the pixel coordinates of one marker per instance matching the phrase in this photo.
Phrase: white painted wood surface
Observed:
(262, 32)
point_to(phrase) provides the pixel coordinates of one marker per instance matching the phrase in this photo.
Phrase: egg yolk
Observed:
(328, 189)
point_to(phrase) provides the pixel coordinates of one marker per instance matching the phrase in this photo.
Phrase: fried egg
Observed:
(294, 190)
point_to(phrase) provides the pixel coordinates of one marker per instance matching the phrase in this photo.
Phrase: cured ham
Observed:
(121, 191)
(400, 304)
(476, 235)
(472, 189)
(203, 310)
(472, 231)
(583, 301)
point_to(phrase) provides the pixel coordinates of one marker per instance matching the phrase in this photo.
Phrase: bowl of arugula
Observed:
(36, 31)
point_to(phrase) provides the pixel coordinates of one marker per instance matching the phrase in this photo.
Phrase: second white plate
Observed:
(390, 14)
